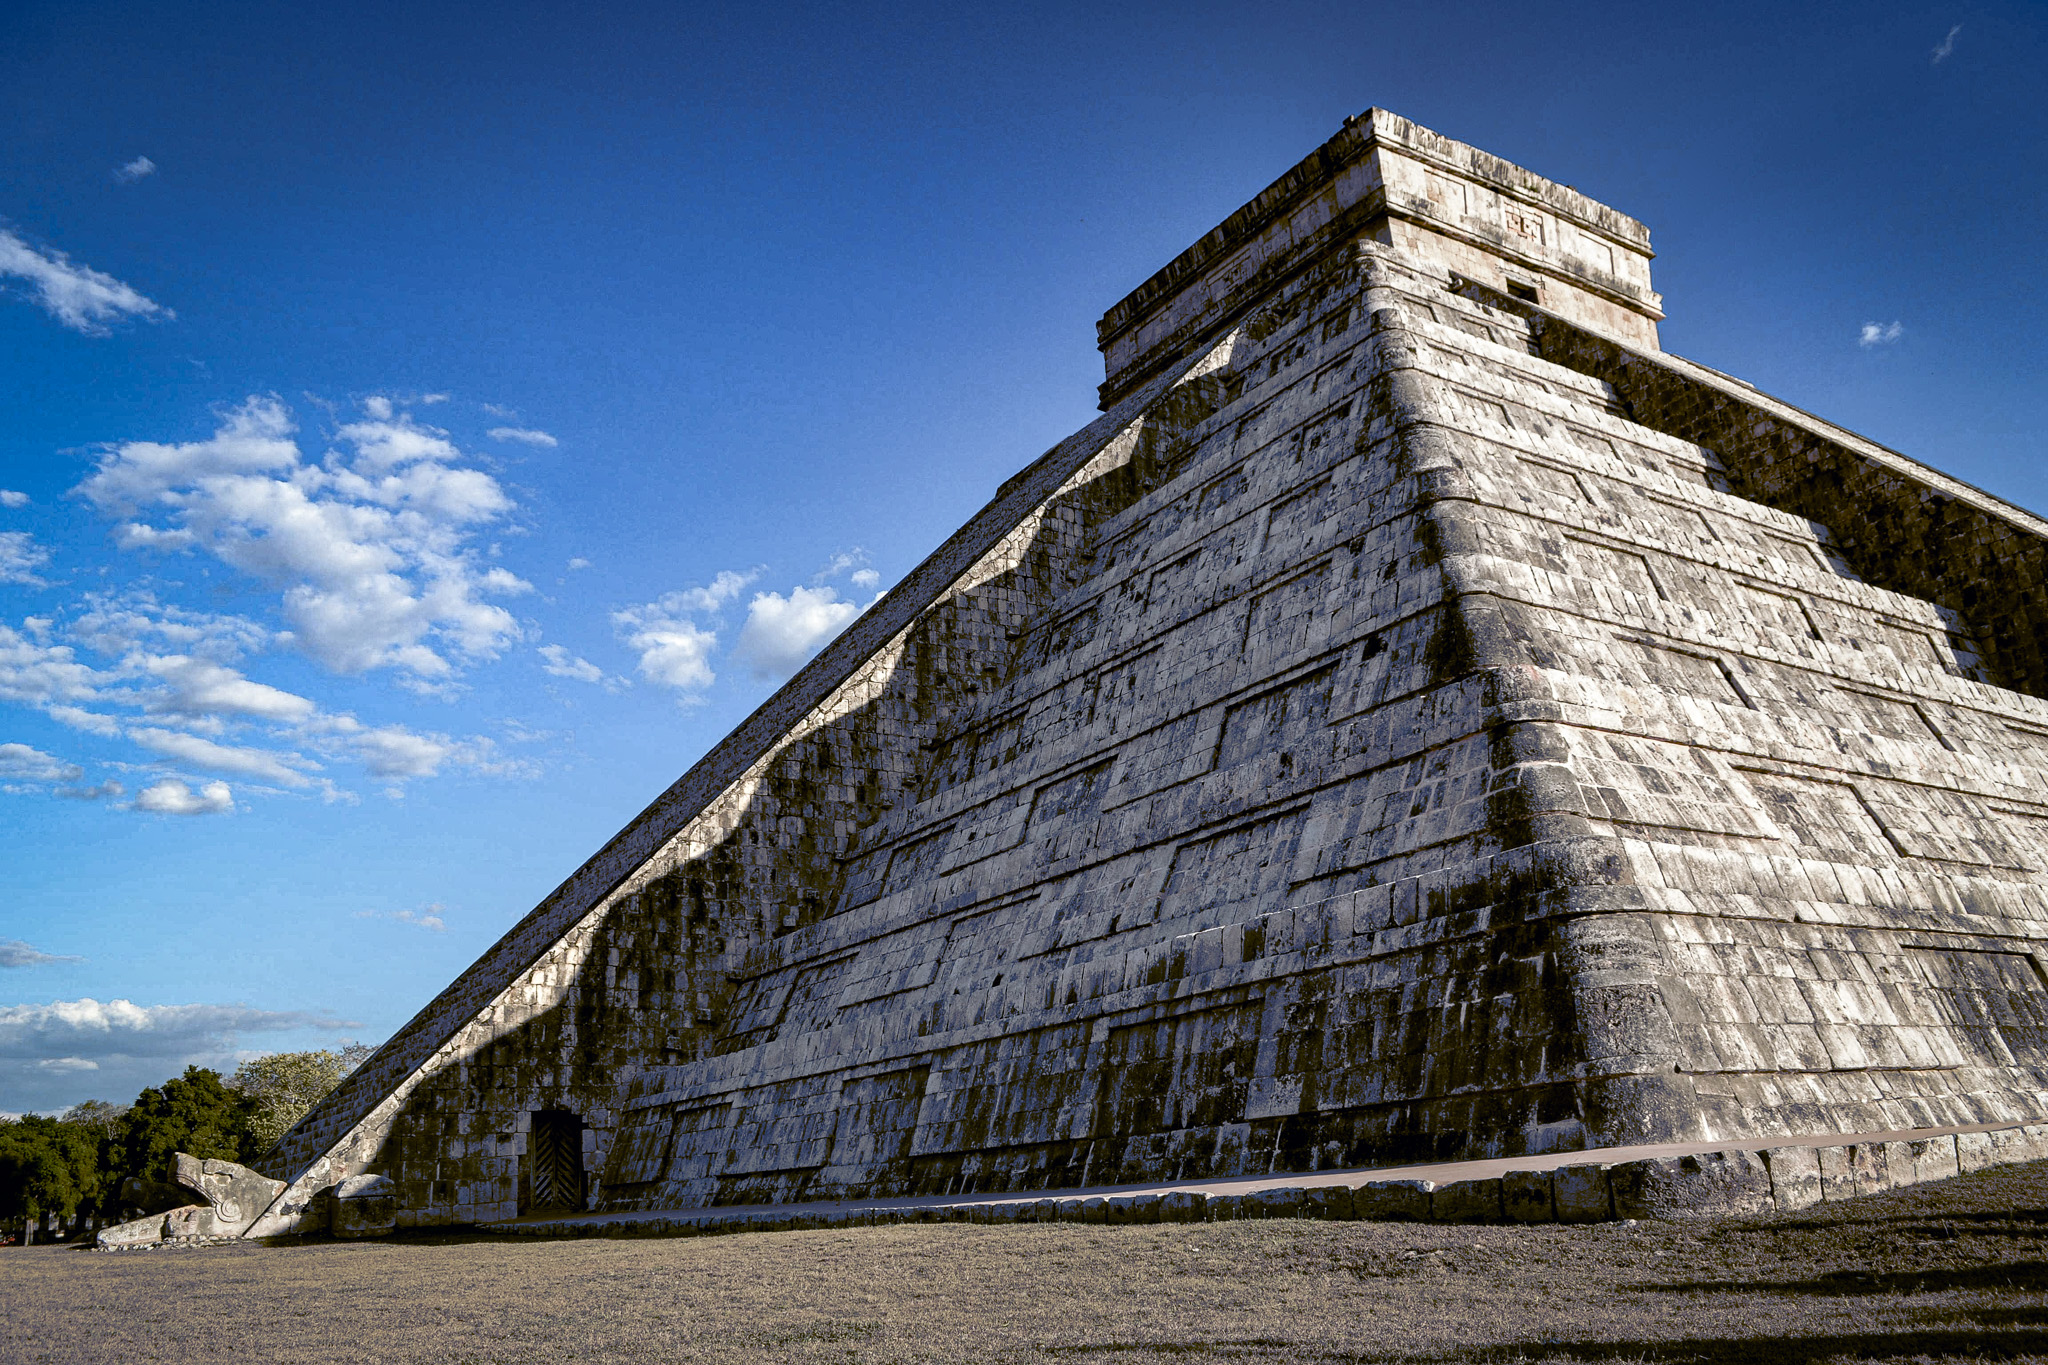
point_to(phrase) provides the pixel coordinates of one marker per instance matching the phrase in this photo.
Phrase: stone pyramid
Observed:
(1419, 720)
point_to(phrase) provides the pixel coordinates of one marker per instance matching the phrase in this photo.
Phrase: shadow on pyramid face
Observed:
(1423, 720)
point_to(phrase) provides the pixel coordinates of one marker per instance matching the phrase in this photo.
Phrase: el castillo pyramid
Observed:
(1419, 719)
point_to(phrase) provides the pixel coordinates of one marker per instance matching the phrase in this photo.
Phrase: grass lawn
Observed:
(1952, 1271)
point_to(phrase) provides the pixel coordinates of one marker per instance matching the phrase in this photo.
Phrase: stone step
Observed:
(1659, 1180)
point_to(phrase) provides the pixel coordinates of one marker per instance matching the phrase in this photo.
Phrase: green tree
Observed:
(279, 1089)
(48, 1166)
(193, 1113)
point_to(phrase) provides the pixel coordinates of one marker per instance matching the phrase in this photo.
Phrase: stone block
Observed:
(1795, 1177)
(1707, 1185)
(139, 1232)
(1851, 1170)
(1898, 1164)
(1392, 1201)
(1287, 1201)
(1225, 1208)
(1974, 1151)
(1581, 1194)
(1934, 1158)
(365, 1206)
(1095, 1209)
(1466, 1201)
(1183, 1206)
(1525, 1197)
(1331, 1203)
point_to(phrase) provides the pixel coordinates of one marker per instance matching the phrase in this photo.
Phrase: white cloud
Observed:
(78, 718)
(202, 688)
(109, 790)
(131, 535)
(20, 557)
(428, 917)
(123, 1046)
(559, 662)
(83, 299)
(20, 763)
(1946, 46)
(172, 797)
(1879, 334)
(524, 436)
(840, 563)
(227, 758)
(134, 170)
(673, 653)
(782, 632)
(39, 674)
(15, 953)
(674, 648)
(579, 562)
(10, 498)
(370, 547)
(864, 578)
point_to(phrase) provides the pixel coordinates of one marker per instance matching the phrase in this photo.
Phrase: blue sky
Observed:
(429, 428)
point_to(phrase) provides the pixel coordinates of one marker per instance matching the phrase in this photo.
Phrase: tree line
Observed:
(113, 1161)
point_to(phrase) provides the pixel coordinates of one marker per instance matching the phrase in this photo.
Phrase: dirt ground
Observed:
(1954, 1271)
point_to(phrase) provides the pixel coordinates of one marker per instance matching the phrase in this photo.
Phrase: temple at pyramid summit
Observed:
(1420, 719)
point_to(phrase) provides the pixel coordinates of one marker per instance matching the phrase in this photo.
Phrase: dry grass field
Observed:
(1948, 1272)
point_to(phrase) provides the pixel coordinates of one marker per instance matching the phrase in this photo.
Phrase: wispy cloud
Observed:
(193, 751)
(20, 763)
(557, 661)
(676, 634)
(20, 557)
(83, 299)
(1879, 334)
(1946, 46)
(15, 953)
(372, 547)
(172, 797)
(427, 917)
(109, 790)
(11, 499)
(172, 687)
(525, 436)
(579, 562)
(130, 172)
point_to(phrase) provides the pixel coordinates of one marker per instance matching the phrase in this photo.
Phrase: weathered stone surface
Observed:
(1466, 1201)
(1795, 1176)
(1392, 1201)
(1525, 1197)
(137, 1232)
(1421, 720)
(1851, 1170)
(236, 1196)
(1581, 1194)
(1703, 1186)
(365, 1206)
(1287, 1201)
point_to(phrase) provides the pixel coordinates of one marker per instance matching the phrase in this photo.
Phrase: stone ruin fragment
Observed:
(1420, 719)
